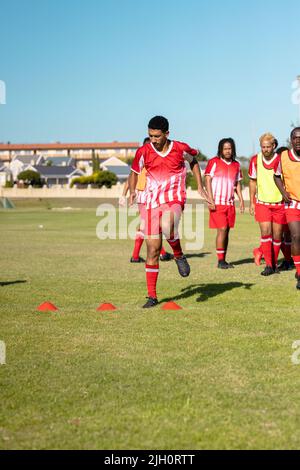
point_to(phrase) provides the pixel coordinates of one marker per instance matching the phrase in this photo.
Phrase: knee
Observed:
(153, 252)
(296, 238)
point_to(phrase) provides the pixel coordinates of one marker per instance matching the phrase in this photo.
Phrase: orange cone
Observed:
(46, 307)
(106, 307)
(171, 306)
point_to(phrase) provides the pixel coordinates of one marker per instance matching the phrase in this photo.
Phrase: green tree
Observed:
(30, 177)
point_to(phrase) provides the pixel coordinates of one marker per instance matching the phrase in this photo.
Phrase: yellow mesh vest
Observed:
(267, 190)
(291, 175)
(141, 182)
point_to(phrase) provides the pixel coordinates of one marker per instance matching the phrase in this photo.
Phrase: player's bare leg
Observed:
(169, 225)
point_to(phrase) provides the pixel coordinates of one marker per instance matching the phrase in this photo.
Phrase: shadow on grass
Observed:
(9, 283)
(242, 261)
(207, 291)
(197, 255)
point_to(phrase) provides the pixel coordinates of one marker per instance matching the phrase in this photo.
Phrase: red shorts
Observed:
(222, 217)
(268, 213)
(152, 218)
(292, 215)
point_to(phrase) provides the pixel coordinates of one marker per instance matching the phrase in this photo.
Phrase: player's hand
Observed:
(252, 209)
(203, 193)
(211, 206)
(122, 201)
(132, 199)
(287, 197)
(242, 207)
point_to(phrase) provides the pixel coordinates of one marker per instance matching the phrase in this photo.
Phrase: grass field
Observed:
(216, 375)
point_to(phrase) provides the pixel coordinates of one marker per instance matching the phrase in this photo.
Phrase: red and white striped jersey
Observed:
(140, 197)
(166, 173)
(225, 176)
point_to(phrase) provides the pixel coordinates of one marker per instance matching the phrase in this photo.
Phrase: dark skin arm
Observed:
(279, 183)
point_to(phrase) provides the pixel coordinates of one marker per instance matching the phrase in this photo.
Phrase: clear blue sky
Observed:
(95, 70)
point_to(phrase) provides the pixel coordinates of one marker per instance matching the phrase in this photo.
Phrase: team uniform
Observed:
(288, 167)
(165, 181)
(269, 206)
(165, 192)
(225, 177)
(141, 202)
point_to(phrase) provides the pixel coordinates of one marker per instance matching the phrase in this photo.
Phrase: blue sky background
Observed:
(97, 70)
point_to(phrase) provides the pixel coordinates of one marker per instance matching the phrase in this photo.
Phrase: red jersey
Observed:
(225, 177)
(166, 173)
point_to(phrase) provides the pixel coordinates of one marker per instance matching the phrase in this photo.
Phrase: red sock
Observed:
(221, 254)
(139, 238)
(297, 263)
(176, 247)
(276, 250)
(151, 278)
(163, 251)
(266, 244)
(286, 250)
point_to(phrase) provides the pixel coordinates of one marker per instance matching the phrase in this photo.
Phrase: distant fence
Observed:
(102, 193)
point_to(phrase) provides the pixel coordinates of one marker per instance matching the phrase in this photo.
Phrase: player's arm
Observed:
(252, 194)
(279, 183)
(240, 196)
(197, 175)
(122, 200)
(208, 186)
(132, 182)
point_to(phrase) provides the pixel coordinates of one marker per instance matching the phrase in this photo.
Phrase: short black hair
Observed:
(294, 130)
(146, 140)
(160, 123)
(282, 149)
(227, 140)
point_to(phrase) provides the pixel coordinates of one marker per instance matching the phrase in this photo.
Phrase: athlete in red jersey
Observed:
(266, 202)
(164, 161)
(223, 176)
(139, 238)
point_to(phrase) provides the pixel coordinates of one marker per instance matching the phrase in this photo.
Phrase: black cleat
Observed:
(285, 266)
(224, 265)
(151, 302)
(165, 257)
(276, 270)
(183, 266)
(268, 271)
(137, 260)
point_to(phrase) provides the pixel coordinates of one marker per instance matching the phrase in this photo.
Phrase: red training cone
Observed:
(106, 307)
(47, 306)
(171, 306)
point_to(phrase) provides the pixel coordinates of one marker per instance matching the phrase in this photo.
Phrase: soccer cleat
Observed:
(137, 260)
(165, 257)
(257, 256)
(224, 265)
(285, 266)
(268, 271)
(151, 302)
(183, 266)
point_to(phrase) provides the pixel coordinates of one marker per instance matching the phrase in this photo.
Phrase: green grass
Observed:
(216, 375)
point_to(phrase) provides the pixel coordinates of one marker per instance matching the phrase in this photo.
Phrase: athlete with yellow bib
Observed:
(266, 202)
